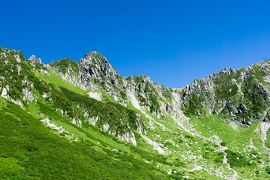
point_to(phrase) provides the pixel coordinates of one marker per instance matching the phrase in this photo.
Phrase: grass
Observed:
(246, 162)
(234, 138)
(268, 139)
(31, 151)
(52, 78)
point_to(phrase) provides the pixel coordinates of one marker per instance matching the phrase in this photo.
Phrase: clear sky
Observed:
(172, 41)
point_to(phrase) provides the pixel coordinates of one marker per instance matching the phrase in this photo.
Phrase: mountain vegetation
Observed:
(83, 120)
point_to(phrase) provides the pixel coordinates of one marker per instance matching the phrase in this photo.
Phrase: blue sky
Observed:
(172, 41)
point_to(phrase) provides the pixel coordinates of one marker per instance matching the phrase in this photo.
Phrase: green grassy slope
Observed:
(58, 82)
(205, 147)
(186, 145)
(31, 150)
(246, 152)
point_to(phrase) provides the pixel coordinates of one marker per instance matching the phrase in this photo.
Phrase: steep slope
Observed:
(22, 86)
(42, 135)
(95, 74)
(105, 123)
(30, 150)
(241, 95)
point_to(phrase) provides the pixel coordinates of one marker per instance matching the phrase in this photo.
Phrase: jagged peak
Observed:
(64, 60)
(94, 57)
(94, 53)
(97, 61)
(63, 64)
(8, 50)
(34, 59)
(15, 54)
(139, 78)
(265, 62)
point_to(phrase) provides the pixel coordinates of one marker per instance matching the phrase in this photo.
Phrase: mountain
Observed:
(240, 95)
(82, 120)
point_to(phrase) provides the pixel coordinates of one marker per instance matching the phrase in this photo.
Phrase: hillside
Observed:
(84, 120)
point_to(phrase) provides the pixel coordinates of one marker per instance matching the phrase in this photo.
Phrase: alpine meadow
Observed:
(134, 90)
(83, 120)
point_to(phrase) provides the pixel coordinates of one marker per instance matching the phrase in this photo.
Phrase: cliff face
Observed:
(238, 95)
(24, 82)
(94, 73)
(241, 95)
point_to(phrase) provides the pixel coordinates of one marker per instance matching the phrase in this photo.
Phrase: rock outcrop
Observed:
(241, 95)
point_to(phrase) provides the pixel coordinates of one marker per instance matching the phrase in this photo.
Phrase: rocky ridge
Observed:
(241, 95)
(138, 111)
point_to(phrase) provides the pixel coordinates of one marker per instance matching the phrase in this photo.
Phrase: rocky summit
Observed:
(83, 120)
